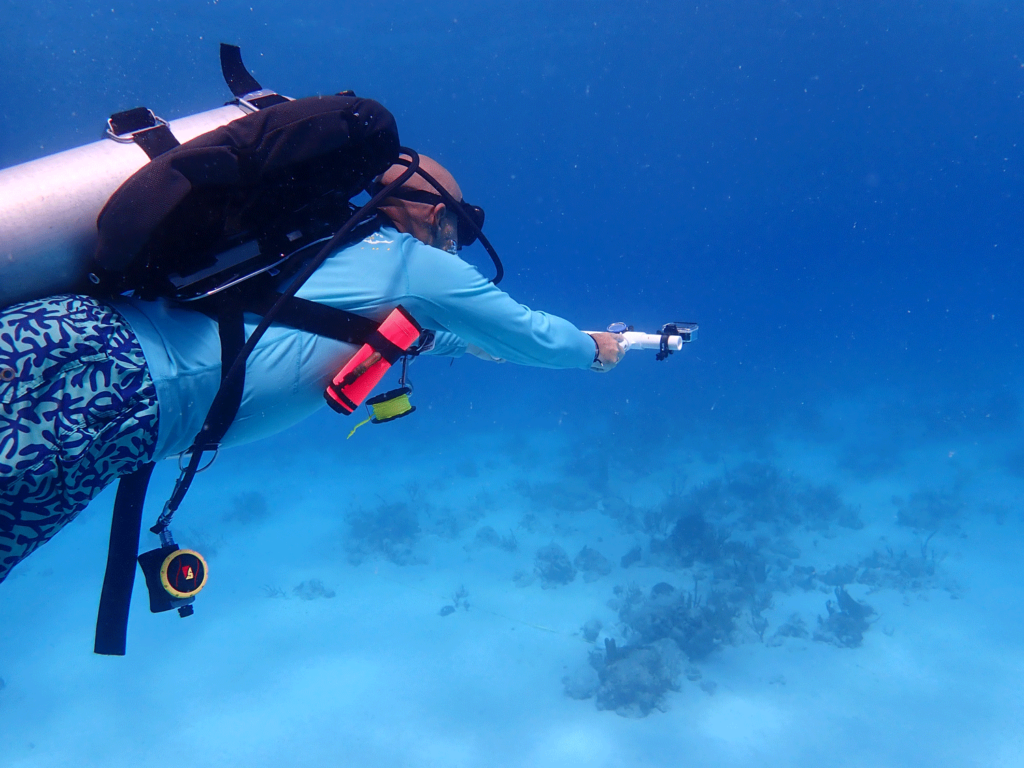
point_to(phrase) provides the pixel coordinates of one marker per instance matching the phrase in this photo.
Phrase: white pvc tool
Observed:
(637, 340)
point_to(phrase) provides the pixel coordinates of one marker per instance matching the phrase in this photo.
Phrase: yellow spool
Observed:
(391, 409)
(387, 407)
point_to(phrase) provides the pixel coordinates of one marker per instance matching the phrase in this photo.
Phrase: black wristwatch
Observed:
(596, 364)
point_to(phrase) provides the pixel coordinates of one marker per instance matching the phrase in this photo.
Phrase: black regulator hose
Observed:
(464, 218)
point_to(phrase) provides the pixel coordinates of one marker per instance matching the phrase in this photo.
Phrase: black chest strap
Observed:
(312, 317)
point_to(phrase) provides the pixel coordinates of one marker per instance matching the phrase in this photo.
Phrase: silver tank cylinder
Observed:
(48, 208)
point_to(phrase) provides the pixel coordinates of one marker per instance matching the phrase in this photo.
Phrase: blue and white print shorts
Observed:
(78, 409)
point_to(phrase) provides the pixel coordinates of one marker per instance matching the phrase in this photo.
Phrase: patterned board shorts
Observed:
(78, 409)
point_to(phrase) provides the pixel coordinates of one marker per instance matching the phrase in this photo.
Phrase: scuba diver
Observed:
(179, 287)
(92, 389)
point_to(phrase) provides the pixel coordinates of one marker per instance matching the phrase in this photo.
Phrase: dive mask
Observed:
(470, 217)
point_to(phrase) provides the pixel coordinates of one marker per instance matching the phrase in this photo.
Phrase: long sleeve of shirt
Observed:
(453, 295)
(287, 372)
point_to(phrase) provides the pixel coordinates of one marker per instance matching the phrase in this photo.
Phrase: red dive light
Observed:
(367, 367)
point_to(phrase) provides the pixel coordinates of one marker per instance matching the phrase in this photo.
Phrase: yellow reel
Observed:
(387, 407)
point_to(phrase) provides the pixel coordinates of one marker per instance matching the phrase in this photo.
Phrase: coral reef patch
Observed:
(553, 566)
(846, 623)
(592, 564)
(389, 530)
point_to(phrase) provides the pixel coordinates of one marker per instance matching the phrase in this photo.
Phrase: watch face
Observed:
(618, 328)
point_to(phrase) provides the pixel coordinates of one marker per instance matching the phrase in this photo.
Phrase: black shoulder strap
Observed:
(231, 324)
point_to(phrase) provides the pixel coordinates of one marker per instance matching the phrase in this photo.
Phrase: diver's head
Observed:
(418, 210)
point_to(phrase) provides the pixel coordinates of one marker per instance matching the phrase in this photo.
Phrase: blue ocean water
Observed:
(829, 479)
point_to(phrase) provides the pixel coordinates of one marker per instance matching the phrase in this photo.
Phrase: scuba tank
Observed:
(48, 207)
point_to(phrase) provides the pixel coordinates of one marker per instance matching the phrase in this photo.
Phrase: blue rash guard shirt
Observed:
(287, 372)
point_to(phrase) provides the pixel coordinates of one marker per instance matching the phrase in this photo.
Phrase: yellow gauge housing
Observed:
(183, 573)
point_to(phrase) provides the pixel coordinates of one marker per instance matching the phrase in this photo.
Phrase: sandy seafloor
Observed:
(375, 676)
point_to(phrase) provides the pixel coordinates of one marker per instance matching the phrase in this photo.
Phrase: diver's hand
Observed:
(609, 350)
(474, 350)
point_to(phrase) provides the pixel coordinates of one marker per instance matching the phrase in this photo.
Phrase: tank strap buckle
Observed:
(261, 99)
(141, 126)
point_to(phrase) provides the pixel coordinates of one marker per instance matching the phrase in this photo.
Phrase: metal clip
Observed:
(182, 464)
(250, 102)
(149, 118)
